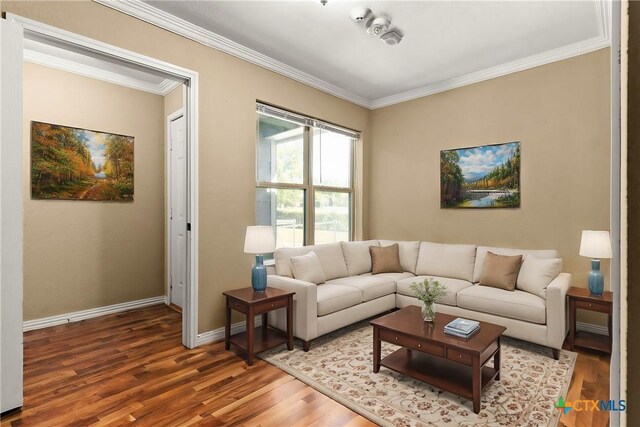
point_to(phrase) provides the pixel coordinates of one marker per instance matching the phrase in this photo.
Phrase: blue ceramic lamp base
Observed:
(596, 278)
(259, 275)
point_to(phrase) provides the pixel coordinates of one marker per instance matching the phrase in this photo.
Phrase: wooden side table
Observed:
(580, 298)
(255, 340)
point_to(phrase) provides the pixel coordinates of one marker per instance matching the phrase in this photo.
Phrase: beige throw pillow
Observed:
(385, 259)
(500, 271)
(536, 274)
(308, 268)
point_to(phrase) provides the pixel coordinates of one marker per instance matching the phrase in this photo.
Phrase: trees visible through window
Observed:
(304, 178)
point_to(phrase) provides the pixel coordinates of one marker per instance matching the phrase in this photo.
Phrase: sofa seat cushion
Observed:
(453, 287)
(332, 298)
(371, 286)
(514, 304)
(392, 276)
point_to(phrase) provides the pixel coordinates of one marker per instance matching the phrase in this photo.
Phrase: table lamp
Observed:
(596, 245)
(259, 240)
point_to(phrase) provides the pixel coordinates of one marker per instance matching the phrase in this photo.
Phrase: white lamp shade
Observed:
(259, 239)
(595, 244)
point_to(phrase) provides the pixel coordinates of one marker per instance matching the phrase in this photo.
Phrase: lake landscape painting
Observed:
(481, 177)
(69, 163)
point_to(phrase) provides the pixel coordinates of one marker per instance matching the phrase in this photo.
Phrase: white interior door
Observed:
(10, 215)
(177, 210)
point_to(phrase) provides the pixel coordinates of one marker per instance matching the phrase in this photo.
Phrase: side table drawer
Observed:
(593, 306)
(458, 356)
(237, 305)
(267, 306)
(412, 343)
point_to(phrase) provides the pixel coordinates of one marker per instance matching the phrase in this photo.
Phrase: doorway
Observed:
(64, 40)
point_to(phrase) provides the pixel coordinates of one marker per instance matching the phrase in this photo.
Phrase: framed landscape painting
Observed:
(481, 177)
(68, 163)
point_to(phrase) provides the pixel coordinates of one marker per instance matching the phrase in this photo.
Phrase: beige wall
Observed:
(229, 88)
(84, 254)
(560, 113)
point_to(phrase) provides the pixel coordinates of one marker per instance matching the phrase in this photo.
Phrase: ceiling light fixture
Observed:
(391, 38)
(359, 14)
(378, 27)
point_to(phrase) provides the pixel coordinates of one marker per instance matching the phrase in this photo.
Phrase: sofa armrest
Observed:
(557, 325)
(305, 306)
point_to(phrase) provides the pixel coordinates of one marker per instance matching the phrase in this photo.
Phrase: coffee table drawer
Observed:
(459, 356)
(412, 343)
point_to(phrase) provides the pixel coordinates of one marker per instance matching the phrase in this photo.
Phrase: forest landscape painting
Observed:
(481, 177)
(77, 164)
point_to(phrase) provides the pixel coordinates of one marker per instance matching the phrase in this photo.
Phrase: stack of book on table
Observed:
(462, 328)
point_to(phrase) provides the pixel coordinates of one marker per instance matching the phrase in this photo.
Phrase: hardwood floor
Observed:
(131, 367)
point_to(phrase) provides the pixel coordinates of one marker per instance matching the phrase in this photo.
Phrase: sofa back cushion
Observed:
(454, 261)
(408, 253)
(307, 268)
(357, 257)
(481, 253)
(536, 274)
(329, 254)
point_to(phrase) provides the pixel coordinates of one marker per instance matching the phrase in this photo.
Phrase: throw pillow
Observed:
(308, 268)
(536, 274)
(385, 259)
(500, 271)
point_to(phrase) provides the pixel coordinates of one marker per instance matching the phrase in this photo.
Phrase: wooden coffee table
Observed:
(453, 364)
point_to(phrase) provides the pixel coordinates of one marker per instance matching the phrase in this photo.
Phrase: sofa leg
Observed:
(306, 345)
(556, 353)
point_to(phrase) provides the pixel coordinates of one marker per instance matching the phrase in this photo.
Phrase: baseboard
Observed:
(218, 334)
(77, 316)
(590, 327)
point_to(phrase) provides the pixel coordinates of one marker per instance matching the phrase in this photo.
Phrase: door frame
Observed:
(35, 29)
(170, 118)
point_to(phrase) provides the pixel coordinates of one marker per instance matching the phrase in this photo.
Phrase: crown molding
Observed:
(166, 21)
(52, 61)
(533, 61)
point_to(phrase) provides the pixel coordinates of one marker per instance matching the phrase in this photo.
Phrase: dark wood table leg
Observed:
(227, 325)
(572, 323)
(376, 350)
(250, 332)
(265, 320)
(476, 382)
(290, 324)
(496, 361)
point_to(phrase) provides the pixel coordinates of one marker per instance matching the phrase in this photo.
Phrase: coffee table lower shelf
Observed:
(442, 373)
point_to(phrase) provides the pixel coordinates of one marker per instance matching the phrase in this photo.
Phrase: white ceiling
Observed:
(443, 40)
(446, 43)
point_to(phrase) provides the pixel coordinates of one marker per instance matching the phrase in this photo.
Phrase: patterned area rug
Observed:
(339, 365)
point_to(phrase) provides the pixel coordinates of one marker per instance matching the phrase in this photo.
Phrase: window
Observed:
(304, 173)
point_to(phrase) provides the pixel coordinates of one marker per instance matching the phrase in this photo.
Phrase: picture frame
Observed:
(480, 177)
(69, 163)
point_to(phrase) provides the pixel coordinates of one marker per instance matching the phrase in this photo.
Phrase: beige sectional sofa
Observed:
(535, 311)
